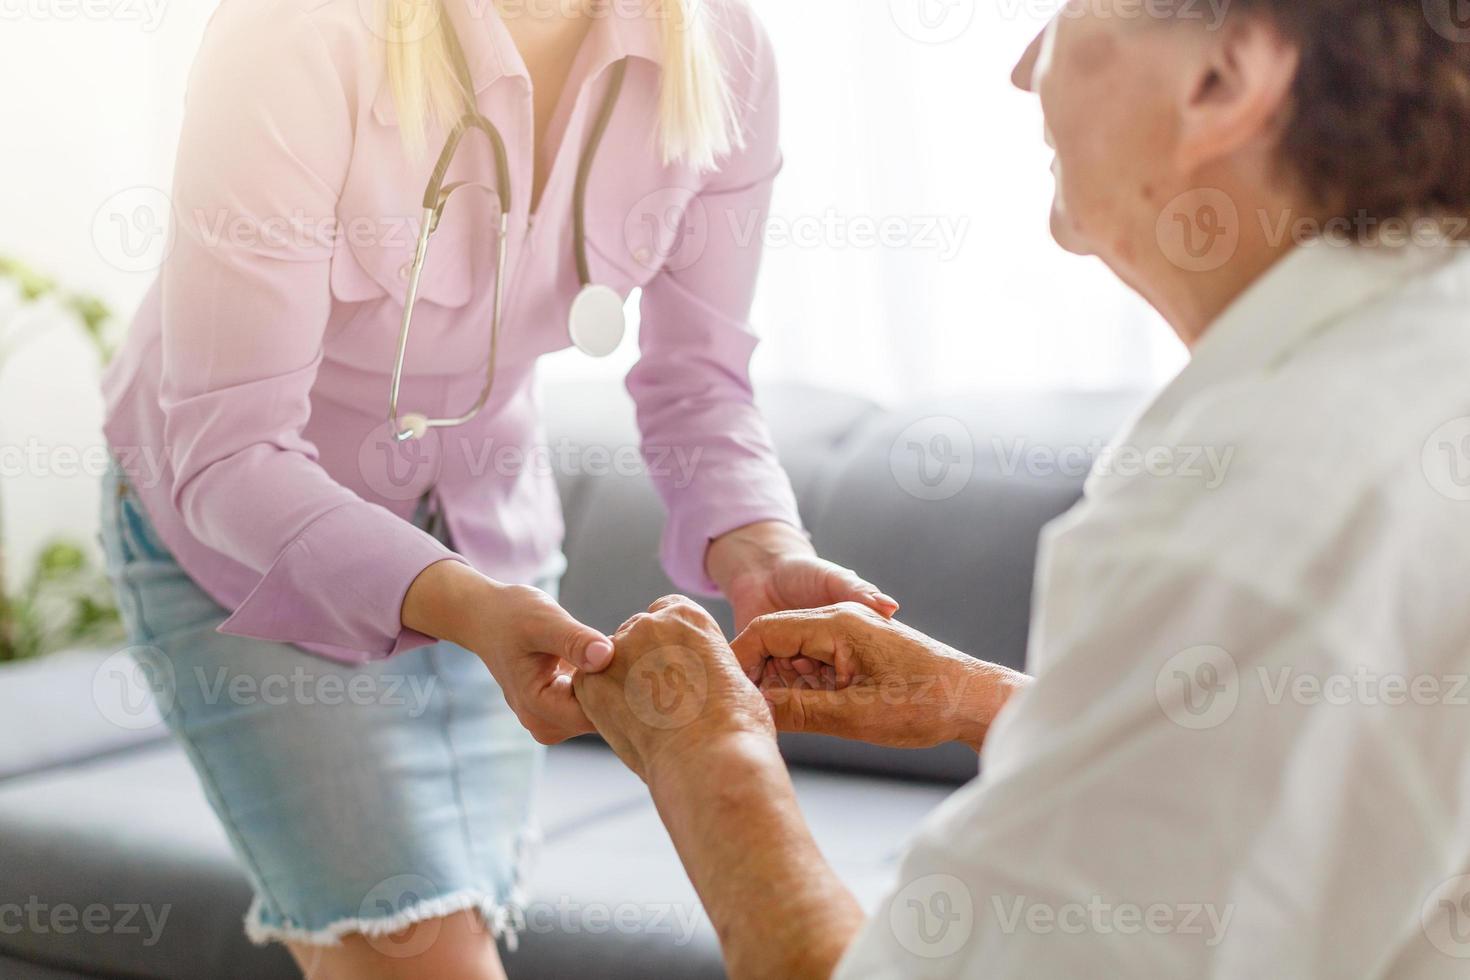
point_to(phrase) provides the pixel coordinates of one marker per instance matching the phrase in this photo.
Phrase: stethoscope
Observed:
(597, 322)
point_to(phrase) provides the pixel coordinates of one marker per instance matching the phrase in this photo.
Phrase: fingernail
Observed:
(599, 654)
(886, 600)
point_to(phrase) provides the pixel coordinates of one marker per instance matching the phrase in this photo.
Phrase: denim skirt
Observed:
(360, 799)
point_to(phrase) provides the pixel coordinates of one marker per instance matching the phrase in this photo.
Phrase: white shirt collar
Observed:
(1312, 288)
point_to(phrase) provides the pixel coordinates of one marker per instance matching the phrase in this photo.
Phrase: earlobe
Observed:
(1237, 92)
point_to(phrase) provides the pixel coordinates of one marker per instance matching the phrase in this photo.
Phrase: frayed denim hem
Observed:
(505, 920)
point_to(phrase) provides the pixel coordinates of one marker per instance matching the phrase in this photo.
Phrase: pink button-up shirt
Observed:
(249, 405)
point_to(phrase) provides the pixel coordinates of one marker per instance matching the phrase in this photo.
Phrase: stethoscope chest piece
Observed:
(597, 323)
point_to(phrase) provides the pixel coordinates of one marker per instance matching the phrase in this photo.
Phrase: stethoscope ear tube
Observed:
(596, 323)
(435, 195)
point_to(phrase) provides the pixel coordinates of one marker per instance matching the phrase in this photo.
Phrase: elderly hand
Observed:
(673, 689)
(771, 567)
(848, 671)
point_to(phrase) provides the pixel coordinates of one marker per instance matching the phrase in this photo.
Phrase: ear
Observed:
(1236, 91)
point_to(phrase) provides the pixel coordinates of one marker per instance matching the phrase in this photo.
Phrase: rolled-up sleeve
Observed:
(266, 144)
(692, 382)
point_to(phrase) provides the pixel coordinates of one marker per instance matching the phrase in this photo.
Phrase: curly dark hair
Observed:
(1380, 118)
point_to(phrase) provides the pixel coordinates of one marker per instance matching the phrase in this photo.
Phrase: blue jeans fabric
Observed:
(359, 799)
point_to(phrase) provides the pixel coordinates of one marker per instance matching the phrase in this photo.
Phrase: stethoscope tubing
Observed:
(436, 196)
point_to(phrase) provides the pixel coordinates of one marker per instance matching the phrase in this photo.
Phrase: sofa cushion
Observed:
(132, 831)
(70, 707)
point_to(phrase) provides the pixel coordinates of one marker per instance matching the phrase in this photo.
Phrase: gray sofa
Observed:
(939, 503)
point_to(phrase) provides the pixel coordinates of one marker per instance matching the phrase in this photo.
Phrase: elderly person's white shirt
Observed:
(1246, 752)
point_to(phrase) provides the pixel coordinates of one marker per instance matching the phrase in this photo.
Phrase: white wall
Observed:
(90, 110)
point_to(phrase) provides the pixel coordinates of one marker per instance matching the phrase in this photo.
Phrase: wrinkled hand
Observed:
(848, 671)
(772, 567)
(673, 688)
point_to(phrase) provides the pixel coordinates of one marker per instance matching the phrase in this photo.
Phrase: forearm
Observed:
(776, 905)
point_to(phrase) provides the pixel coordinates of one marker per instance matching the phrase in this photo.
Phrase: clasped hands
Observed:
(676, 687)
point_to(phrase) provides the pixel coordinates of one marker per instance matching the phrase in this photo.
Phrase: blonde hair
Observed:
(697, 118)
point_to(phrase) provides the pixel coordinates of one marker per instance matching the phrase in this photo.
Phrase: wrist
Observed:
(448, 601)
(987, 688)
(687, 766)
(752, 549)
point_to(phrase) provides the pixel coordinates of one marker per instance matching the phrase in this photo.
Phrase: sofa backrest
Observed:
(939, 503)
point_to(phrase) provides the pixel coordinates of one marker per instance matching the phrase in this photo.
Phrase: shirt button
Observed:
(644, 256)
(405, 270)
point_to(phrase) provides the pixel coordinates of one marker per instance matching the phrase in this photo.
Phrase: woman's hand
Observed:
(529, 642)
(674, 692)
(772, 567)
(848, 671)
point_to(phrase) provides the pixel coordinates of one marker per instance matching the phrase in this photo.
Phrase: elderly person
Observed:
(1244, 749)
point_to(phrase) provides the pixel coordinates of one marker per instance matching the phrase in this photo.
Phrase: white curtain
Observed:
(900, 115)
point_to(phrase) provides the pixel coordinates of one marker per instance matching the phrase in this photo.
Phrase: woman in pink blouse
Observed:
(264, 522)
